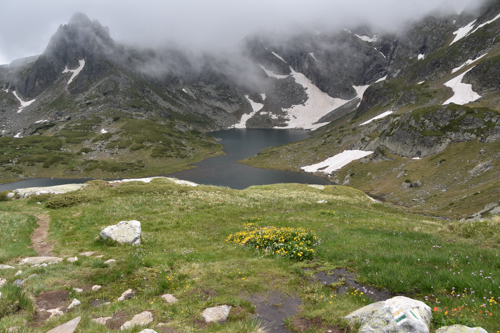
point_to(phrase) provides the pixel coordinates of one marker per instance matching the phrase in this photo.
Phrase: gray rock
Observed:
(5, 267)
(55, 312)
(416, 184)
(460, 329)
(495, 211)
(74, 303)
(3, 282)
(140, 319)
(10, 195)
(40, 260)
(148, 330)
(78, 290)
(87, 254)
(19, 272)
(72, 259)
(20, 282)
(169, 298)
(96, 287)
(126, 295)
(68, 327)
(101, 320)
(124, 232)
(481, 168)
(399, 315)
(405, 186)
(110, 261)
(216, 314)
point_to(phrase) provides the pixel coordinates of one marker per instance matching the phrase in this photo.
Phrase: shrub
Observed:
(96, 184)
(294, 243)
(39, 198)
(3, 196)
(68, 200)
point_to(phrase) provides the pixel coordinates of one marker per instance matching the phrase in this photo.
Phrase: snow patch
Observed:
(382, 54)
(360, 90)
(263, 96)
(312, 55)
(421, 56)
(277, 56)
(462, 32)
(271, 115)
(337, 162)
(467, 63)
(23, 104)
(103, 131)
(485, 23)
(148, 180)
(317, 105)
(380, 116)
(382, 79)
(74, 71)
(463, 92)
(416, 158)
(18, 135)
(367, 39)
(184, 90)
(421, 82)
(256, 107)
(272, 74)
(41, 121)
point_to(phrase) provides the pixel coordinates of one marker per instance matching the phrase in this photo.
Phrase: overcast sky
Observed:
(27, 25)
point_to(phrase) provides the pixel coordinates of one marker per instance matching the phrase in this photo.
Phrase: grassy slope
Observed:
(184, 252)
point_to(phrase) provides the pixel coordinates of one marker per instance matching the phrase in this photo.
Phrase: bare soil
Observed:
(39, 237)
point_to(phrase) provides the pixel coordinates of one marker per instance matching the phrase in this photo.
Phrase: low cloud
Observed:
(27, 25)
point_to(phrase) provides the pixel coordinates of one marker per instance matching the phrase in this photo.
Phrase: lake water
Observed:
(223, 170)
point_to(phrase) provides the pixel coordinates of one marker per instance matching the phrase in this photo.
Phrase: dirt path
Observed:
(39, 237)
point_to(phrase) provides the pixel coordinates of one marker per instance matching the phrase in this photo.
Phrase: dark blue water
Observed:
(222, 170)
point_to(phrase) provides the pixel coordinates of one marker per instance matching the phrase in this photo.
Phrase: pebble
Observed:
(96, 287)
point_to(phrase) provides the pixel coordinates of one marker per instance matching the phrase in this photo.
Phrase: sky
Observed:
(27, 25)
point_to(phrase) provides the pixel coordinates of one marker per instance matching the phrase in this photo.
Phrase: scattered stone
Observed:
(97, 303)
(397, 314)
(72, 259)
(3, 282)
(140, 319)
(40, 260)
(19, 282)
(322, 201)
(18, 273)
(169, 298)
(68, 327)
(216, 314)
(481, 168)
(102, 320)
(87, 254)
(5, 267)
(110, 261)
(96, 287)
(102, 255)
(460, 329)
(124, 232)
(78, 290)
(55, 312)
(10, 195)
(74, 303)
(126, 295)
(416, 184)
(148, 330)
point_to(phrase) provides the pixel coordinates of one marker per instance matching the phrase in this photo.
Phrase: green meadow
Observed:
(211, 246)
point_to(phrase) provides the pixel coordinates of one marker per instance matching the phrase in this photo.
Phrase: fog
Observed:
(27, 25)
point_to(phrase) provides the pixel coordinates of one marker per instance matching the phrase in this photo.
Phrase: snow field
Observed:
(272, 74)
(463, 92)
(462, 32)
(381, 79)
(277, 56)
(366, 38)
(337, 162)
(467, 63)
(74, 71)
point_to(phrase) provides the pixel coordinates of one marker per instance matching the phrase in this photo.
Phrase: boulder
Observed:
(169, 298)
(5, 267)
(19, 282)
(87, 254)
(126, 295)
(72, 259)
(110, 261)
(124, 232)
(148, 330)
(396, 315)
(96, 287)
(78, 290)
(58, 189)
(140, 319)
(3, 282)
(68, 327)
(460, 329)
(216, 314)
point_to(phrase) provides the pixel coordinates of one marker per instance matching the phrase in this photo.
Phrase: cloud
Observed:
(27, 25)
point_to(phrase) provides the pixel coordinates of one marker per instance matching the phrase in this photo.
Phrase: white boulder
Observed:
(124, 232)
(126, 295)
(216, 314)
(3, 282)
(102, 320)
(460, 329)
(140, 319)
(396, 315)
(39, 260)
(74, 303)
(68, 327)
(74, 259)
(169, 298)
(5, 267)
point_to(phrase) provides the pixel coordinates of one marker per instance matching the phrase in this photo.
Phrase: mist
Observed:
(27, 25)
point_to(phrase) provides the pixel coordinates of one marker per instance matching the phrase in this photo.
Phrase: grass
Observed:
(15, 230)
(184, 252)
